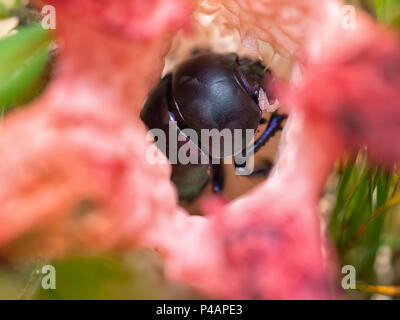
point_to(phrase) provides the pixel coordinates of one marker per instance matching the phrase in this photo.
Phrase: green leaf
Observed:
(136, 275)
(22, 59)
(3, 12)
(387, 11)
(396, 22)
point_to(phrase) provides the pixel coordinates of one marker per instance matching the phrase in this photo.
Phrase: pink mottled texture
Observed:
(73, 172)
(286, 25)
(133, 19)
(74, 176)
(358, 98)
(269, 243)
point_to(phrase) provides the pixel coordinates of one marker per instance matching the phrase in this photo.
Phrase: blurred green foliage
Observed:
(385, 11)
(388, 11)
(135, 275)
(3, 11)
(91, 278)
(138, 275)
(23, 57)
(365, 194)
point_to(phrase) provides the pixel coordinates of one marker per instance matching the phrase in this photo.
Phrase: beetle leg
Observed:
(274, 125)
(217, 178)
(262, 170)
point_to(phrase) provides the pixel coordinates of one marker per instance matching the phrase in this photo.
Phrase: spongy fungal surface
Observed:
(80, 182)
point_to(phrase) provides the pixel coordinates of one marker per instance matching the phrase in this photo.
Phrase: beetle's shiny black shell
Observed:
(208, 93)
(204, 92)
(190, 179)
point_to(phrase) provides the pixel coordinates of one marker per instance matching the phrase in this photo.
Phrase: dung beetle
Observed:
(208, 91)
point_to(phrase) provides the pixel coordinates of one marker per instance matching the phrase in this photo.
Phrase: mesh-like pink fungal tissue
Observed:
(73, 174)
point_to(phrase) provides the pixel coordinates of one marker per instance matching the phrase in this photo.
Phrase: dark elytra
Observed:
(208, 93)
